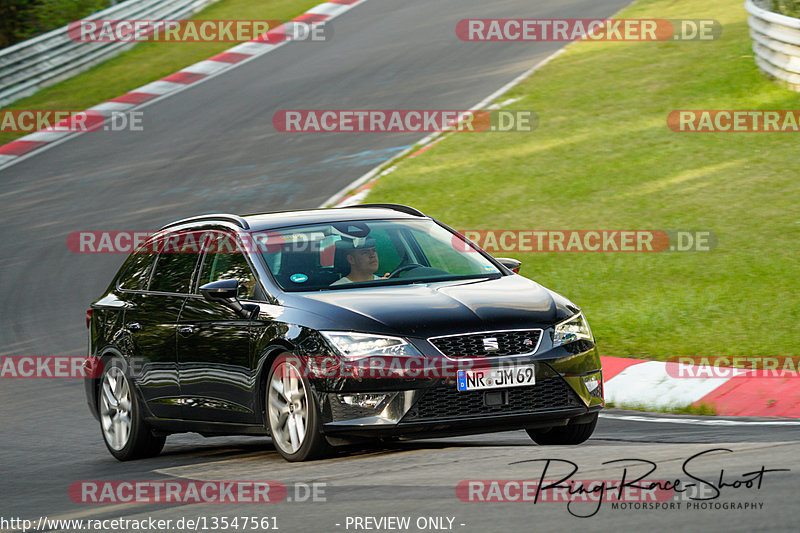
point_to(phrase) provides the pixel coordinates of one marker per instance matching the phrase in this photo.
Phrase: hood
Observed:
(425, 310)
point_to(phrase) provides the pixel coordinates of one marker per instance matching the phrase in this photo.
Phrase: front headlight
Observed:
(571, 330)
(360, 345)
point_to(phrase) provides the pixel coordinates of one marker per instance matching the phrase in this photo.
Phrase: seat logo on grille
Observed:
(490, 344)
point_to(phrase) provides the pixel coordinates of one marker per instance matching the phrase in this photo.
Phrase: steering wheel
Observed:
(403, 268)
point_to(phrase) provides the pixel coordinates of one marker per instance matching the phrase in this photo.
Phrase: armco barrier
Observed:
(237, 55)
(776, 43)
(49, 58)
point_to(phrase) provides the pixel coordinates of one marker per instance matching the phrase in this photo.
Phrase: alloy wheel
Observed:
(288, 407)
(115, 408)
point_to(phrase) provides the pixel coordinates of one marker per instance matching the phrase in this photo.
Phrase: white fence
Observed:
(49, 58)
(776, 44)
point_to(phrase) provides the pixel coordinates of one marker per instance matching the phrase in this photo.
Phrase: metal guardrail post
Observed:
(49, 58)
(776, 44)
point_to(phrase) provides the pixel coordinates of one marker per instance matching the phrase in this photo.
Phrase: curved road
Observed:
(212, 148)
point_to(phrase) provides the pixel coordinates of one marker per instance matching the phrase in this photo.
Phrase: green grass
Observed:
(151, 61)
(603, 158)
(701, 410)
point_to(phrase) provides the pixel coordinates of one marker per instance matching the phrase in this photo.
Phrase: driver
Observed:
(362, 257)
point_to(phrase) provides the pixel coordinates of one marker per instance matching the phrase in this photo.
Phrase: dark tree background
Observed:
(784, 7)
(787, 7)
(23, 19)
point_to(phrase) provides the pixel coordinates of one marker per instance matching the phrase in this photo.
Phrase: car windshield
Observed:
(359, 253)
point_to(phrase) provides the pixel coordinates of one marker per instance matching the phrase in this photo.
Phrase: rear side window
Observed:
(173, 272)
(137, 270)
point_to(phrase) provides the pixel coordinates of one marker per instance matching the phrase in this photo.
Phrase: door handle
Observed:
(185, 330)
(133, 326)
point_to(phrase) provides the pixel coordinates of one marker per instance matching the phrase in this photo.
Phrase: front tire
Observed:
(292, 413)
(126, 434)
(568, 435)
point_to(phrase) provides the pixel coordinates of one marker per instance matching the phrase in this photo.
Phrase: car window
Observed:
(389, 256)
(321, 256)
(136, 270)
(439, 254)
(225, 260)
(174, 268)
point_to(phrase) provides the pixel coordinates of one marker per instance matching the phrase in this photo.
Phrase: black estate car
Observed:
(325, 326)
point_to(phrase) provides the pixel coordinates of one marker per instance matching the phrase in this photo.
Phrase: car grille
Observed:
(472, 344)
(448, 402)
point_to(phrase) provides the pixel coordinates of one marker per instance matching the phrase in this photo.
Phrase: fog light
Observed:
(594, 384)
(367, 401)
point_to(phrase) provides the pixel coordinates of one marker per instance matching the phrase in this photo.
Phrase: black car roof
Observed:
(266, 221)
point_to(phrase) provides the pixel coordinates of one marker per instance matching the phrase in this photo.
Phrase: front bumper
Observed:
(561, 395)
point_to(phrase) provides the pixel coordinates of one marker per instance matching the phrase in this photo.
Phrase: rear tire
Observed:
(126, 434)
(568, 435)
(292, 413)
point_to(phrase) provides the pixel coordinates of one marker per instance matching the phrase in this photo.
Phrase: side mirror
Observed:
(222, 290)
(512, 264)
(225, 292)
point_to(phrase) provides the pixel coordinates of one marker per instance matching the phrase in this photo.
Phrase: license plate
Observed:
(496, 378)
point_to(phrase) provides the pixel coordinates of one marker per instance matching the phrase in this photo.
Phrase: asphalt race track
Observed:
(416, 478)
(213, 148)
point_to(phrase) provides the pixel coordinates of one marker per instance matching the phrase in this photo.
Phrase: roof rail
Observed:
(396, 207)
(218, 217)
